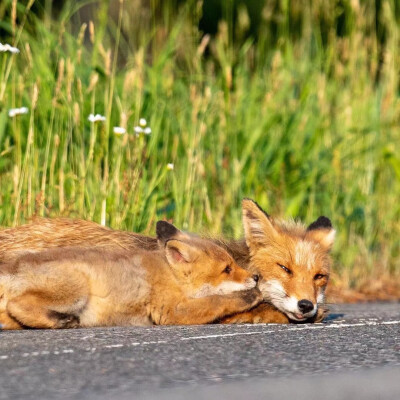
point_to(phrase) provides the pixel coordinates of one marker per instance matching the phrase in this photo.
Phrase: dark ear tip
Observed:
(165, 230)
(249, 213)
(321, 223)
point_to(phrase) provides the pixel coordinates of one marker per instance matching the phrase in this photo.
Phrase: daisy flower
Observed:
(13, 112)
(6, 47)
(96, 118)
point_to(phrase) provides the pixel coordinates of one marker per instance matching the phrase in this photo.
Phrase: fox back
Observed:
(46, 233)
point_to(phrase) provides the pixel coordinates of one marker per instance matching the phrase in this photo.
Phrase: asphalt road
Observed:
(354, 355)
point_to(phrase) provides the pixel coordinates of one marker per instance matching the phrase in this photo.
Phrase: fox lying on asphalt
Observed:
(293, 261)
(188, 281)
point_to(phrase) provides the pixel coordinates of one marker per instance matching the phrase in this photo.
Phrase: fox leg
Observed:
(6, 322)
(263, 313)
(41, 309)
(205, 310)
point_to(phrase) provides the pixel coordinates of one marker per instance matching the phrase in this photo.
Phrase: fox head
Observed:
(200, 266)
(293, 261)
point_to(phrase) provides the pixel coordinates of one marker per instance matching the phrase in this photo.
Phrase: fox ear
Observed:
(178, 252)
(166, 231)
(322, 231)
(258, 227)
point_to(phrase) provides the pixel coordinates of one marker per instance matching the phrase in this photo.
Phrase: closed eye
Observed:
(287, 270)
(227, 269)
(319, 276)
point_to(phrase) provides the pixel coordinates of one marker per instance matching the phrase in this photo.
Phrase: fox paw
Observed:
(64, 321)
(252, 296)
(321, 314)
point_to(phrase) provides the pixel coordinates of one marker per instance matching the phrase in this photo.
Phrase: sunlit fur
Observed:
(275, 244)
(267, 242)
(84, 287)
(201, 270)
(45, 233)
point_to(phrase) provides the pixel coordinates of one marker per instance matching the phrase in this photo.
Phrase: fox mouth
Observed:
(296, 316)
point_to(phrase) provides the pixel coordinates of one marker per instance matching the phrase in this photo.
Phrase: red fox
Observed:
(293, 261)
(188, 281)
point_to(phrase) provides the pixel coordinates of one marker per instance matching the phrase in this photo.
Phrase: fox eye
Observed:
(319, 276)
(227, 269)
(287, 270)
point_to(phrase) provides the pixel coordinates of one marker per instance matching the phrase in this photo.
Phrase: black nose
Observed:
(305, 306)
(256, 277)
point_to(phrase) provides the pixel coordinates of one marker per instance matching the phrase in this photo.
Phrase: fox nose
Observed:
(256, 277)
(305, 306)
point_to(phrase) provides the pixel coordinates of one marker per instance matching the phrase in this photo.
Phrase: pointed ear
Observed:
(166, 231)
(178, 252)
(258, 227)
(322, 231)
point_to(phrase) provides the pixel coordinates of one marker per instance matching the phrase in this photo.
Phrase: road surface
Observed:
(354, 355)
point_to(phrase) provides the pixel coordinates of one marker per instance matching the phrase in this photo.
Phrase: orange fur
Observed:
(268, 242)
(188, 281)
(46, 233)
(293, 263)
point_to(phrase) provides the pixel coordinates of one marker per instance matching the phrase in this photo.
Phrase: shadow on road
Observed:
(333, 316)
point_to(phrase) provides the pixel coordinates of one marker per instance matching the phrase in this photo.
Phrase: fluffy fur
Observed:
(293, 262)
(86, 287)
(268, 245)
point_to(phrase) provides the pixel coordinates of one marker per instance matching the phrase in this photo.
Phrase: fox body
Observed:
(292, 260)
(187, 281)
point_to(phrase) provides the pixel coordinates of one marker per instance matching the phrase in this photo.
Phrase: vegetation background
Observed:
(292, 103)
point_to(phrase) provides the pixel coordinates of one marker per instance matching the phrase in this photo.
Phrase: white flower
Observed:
(118, 130)
(142, 128)
(17, 111)
(170, 166)
(7, 47)
(96, 118)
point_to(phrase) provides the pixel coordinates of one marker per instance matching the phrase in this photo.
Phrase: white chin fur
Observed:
(227, 287)
(274, 292)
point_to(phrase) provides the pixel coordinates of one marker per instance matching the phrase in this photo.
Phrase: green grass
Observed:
(300, 124)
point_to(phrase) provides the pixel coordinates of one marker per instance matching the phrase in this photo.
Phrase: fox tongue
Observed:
(299, 316)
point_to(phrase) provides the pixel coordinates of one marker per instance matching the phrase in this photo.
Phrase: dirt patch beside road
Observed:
(380, 289)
